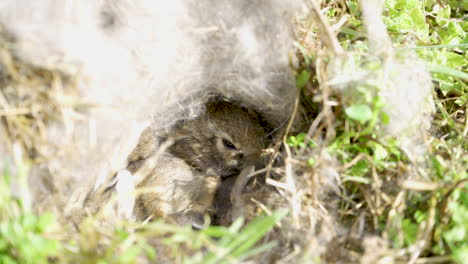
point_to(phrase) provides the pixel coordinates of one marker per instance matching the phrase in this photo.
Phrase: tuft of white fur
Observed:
(400, 80)
(151, 60)
(406, 84)
(125, 189)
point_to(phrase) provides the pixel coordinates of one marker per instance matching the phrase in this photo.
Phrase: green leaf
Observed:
(354, 8)
(149, 251)
(257, 250)
(240, 244)
(462, 100)
(419, 21)
(404, 22)
(45, 221)
(400, 4)
(412, 4)
(410, 231)
(455, 60)
(360, 168)
(130, 254)
(385, 118)
(217, 231)
(256, 230)
(420, 216)
(453, 34)
(178, 238)
(458, 233)
(352, 32)
(447, 70)
(298, 141)
(461, 254)
(237, 225)
(380, 153)
(443, 13)
(302, 79)
(438, 165)
(359, 112)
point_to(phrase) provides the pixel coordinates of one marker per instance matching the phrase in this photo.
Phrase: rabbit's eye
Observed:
(228, 144)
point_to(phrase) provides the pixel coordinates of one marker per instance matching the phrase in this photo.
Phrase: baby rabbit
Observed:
(182, 178)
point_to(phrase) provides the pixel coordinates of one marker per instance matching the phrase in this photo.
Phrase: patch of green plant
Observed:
(237, 243)
(437, 32)
(359, 146)
(299, 141)
(215, 244)
(24, 236)
(29, 238)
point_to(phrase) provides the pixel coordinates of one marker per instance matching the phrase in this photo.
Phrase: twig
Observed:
(397, 207)
(421, 185)
(328, 34)
(443, 204)
(294, 201)
(312, 129)
(352, 162)
(273, 157)
(432, 260)
(465, 129)
(257, 172)
(327, 112)
(377, 184)
(283, 139)
(425, 240)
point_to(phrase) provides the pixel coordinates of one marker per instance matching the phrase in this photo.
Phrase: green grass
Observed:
(434, 208)
(26, 237)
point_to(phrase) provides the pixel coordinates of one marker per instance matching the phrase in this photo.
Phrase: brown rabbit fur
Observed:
(184, 177)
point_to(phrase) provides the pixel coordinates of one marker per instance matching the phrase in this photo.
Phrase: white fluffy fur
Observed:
(153, 60)
(401, 81)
